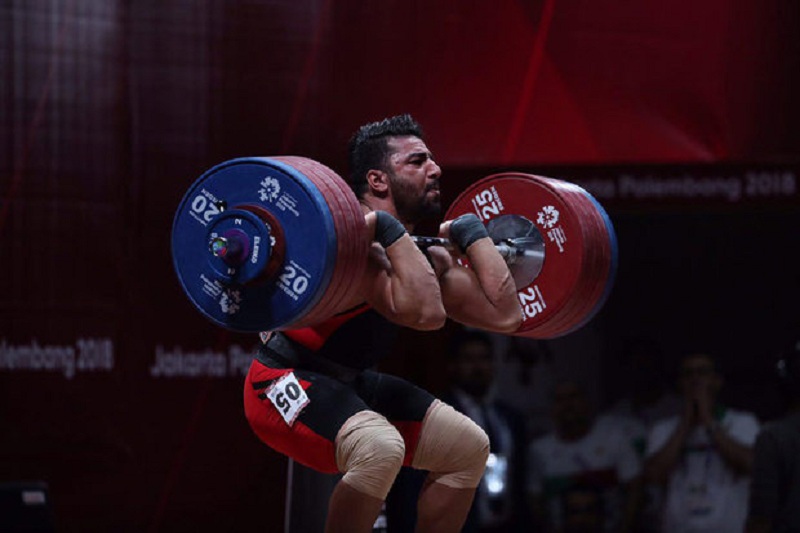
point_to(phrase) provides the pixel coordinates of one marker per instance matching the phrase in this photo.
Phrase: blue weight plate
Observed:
(308, 233)
(243, 246)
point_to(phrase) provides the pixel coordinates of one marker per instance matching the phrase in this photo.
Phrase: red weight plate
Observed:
(607, 269)
(581, 291)
(358, 238)
(597, 274)
(351, 259)
(327, 303)
(585, 292)
(549, 328)
(603, 269)
(346, 262)
(333, 296)
(550, 294)
(293, 162)
(354, 262)
(345, 257)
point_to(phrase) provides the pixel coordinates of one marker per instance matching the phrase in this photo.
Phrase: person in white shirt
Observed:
(584, 477)
(703, 457)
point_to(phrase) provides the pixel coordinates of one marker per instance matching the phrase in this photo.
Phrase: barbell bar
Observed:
(270, 243)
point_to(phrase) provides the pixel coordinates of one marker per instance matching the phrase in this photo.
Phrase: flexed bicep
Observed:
(484, 294)
(401, 284)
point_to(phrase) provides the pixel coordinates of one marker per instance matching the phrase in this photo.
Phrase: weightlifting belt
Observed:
(292, 354)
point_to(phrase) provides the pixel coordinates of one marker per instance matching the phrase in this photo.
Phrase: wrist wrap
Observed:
(387, 228)
(467, 229)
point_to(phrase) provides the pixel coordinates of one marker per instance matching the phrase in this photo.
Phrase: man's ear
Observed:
(378, 182)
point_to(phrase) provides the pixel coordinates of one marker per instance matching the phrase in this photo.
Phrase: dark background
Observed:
(110, 109)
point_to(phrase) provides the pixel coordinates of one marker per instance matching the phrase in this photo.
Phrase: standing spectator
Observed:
(703, 457)
(647, 397)
(499, 504)
(775, 490)
(584, 476)
(647, 392)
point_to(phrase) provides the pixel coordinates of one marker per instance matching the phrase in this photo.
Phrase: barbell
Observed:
(275, 243)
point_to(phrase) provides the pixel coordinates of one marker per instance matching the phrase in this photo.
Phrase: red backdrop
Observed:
(110, 109)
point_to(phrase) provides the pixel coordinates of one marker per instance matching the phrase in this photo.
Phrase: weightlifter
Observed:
(310, 393)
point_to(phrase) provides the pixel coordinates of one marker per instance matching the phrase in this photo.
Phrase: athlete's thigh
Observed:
(301, 428)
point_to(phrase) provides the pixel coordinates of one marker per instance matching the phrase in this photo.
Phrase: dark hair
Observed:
(700, 353)
(465, 336)
(368, 147)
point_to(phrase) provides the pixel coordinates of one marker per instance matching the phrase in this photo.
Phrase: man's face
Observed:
(699, 375)
(571, 407)
(414, 179)
(473, 368)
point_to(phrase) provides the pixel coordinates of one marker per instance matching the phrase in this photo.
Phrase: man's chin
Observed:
(424, 211)
(432, 209)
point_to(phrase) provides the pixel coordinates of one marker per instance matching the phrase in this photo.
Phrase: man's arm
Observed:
(659, 466)
(736, 455)
(483, 295)
(400, 283)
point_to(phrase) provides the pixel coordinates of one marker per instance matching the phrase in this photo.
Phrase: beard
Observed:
(413, 207)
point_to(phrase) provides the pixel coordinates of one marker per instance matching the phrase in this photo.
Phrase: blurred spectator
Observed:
(775, 489)
(647, 397)
(704, 456)
(585, 477)
(648, 393)
(499, 503)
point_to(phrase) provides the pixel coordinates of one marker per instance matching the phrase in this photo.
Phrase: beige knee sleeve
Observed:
(370, 452)
(452, 447)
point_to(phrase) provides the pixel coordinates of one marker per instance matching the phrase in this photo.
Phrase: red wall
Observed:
(110, 109)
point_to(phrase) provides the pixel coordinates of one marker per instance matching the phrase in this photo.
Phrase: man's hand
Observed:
(698, 405)
(464, 231)
(483, 295)
(400, 284)
(704, 401)
(385, 228)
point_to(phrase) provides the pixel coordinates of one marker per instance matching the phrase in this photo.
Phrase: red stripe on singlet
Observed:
(313, 337)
